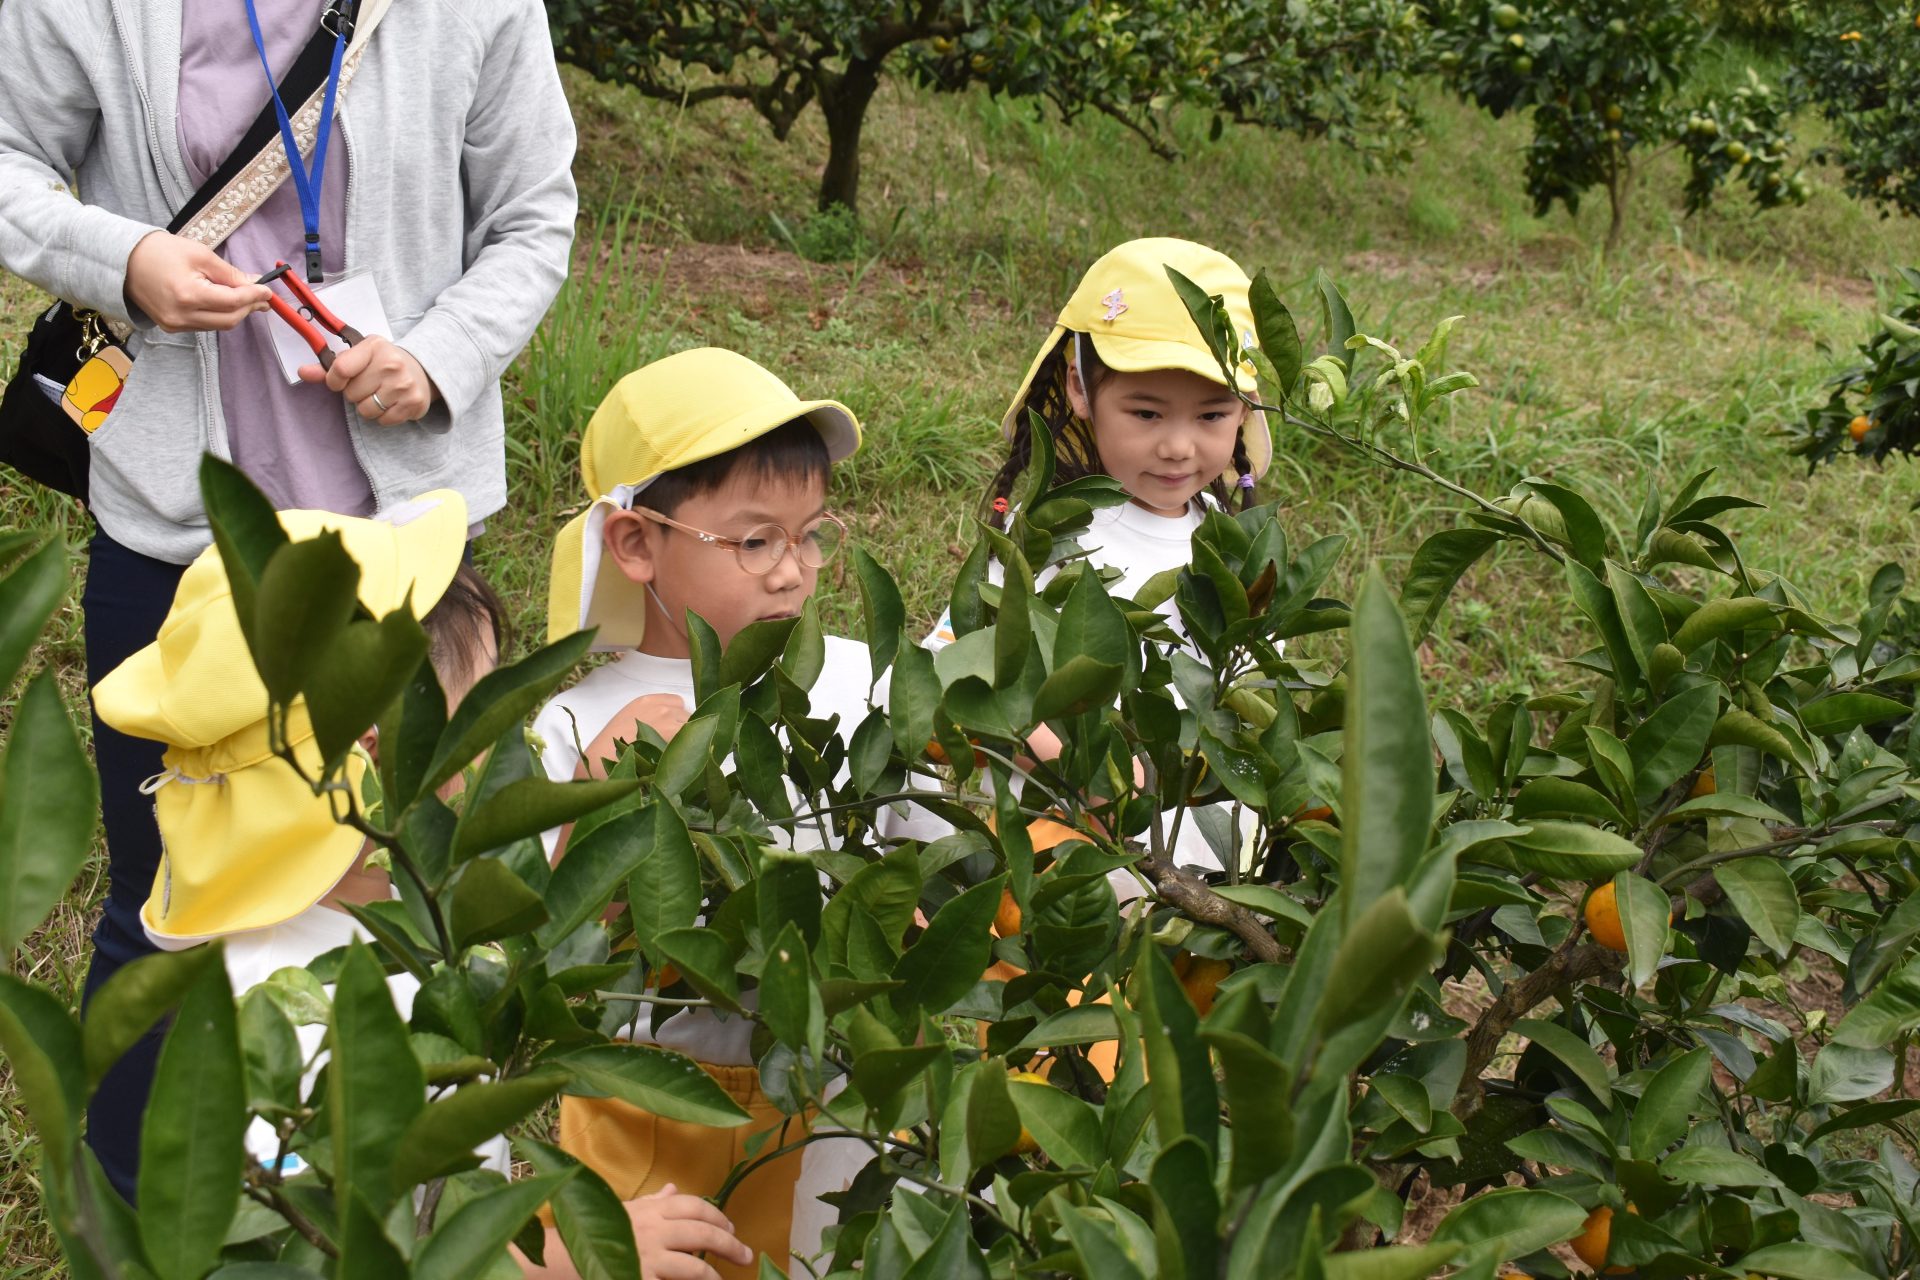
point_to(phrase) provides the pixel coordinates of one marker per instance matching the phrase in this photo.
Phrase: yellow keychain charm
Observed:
(90, 397)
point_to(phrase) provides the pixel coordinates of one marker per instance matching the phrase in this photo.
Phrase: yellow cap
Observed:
(245, 843)
(1128, 308)
(670, 414)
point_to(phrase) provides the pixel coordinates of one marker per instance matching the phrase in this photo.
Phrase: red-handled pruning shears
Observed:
(311, 304)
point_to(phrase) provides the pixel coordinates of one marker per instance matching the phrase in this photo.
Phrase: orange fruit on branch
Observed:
(1006, 921)
(1045, 833)
(1591, 1244)
(1603, 918)
(1200, 978)
(1603, 922)
(1026, 1145)
(1704, 785)
(1859, 427)
(938, 754)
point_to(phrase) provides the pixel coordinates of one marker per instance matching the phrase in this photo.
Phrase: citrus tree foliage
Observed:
(1292, 1038)
(1604, 80)
(1764, 20)
(1873, 407)
(1858, 63)
(1311, 69)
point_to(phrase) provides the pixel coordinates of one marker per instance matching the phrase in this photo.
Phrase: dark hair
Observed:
(792, 452)
(1075, 452)
(467, 610)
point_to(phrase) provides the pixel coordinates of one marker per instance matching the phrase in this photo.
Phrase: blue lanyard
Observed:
(305, 183)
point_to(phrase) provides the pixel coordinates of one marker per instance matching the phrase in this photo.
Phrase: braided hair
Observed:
(1076, 454)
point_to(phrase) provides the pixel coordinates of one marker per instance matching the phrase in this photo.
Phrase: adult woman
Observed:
(448, 193)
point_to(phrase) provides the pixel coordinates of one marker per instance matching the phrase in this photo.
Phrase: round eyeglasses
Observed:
(764, 546)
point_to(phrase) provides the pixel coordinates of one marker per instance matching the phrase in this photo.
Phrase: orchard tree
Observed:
(1858, 64)
(1332, 70)
(1604, 80)
(1873, 407)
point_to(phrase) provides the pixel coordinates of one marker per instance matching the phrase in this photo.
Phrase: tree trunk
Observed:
(1619, 195)
(844, 103)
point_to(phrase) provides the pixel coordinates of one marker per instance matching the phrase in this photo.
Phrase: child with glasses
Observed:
(709, 485)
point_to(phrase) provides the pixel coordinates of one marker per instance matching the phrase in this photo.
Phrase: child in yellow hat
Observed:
(1128, 389)
(251, 855)
(248, 852)
(708, 480)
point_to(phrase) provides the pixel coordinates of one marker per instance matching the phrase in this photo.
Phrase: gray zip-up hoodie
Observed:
(460, 200)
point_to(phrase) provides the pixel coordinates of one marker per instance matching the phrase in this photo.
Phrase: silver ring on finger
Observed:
(384, 406)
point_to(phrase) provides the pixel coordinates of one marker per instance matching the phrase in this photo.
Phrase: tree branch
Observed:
(1571, 962)
(1793, 836)
(1157, 145)
(266, 1193)
(1191, 894)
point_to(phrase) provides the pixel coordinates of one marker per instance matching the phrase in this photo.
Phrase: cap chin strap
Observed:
(1079, 370)
(667, 615)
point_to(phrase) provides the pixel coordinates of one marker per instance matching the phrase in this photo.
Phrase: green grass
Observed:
(1687, 352)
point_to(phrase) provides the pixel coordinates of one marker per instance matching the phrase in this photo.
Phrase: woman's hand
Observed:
(182, 286)
(381, 380)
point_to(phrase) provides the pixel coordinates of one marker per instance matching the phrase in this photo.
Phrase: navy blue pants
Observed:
(126, 599)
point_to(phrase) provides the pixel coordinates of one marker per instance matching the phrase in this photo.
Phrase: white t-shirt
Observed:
(1129, 538)
(576, 716)
(257, 955)
(1140, 544)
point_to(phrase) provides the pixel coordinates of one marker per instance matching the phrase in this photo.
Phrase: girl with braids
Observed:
(1129, 389)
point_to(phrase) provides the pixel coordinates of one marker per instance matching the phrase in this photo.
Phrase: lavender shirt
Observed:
(291, 440)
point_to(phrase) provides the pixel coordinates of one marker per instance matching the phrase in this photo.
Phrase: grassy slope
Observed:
(1685, 353)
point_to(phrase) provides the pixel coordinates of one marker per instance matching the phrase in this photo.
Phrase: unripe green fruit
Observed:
(1506, 17)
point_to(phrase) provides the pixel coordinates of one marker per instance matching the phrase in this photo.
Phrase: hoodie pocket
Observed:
(150, 445)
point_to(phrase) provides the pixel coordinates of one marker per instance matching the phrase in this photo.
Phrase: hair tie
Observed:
(1000, 506)
(1246, 480)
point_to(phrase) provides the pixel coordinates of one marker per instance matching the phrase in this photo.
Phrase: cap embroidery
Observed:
(1116, 305)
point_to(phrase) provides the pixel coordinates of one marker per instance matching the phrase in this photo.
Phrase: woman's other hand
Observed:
(378, 378)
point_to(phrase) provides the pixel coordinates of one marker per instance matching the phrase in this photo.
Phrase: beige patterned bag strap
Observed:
(250, 188)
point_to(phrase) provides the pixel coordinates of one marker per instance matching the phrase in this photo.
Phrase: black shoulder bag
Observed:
(49, 409)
